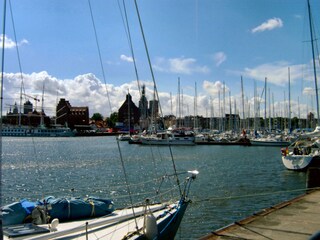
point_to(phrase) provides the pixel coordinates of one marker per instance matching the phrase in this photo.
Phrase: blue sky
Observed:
(207, 42)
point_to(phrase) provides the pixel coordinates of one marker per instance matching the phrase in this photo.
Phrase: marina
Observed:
(255, 176)
(234, 181)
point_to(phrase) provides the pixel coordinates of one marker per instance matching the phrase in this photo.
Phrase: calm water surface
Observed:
(234, 181)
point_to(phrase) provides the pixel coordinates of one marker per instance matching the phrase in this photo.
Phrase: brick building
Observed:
(128, 112)
(73, 117)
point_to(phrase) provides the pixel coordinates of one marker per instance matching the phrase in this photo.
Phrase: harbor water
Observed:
(234, 181)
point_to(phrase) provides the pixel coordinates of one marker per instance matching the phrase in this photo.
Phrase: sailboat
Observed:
(305, 151)
(150, 220)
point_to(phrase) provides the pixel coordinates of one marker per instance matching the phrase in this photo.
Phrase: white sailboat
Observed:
(174, 137)
(305, 152)
(149, 220)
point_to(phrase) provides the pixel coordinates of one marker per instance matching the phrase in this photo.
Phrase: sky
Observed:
(59, 51)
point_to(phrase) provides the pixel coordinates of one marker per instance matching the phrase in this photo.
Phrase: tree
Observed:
(111, 121)
(97, 117)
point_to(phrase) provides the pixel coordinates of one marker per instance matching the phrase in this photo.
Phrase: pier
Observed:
(296, 219)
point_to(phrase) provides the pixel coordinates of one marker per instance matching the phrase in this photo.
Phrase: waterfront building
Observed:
(29, 117)
(128, 113)
(73, 117)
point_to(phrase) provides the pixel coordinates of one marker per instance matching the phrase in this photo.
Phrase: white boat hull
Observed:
(297, 162)
(269, 143)
(115, 226)
(166, 142)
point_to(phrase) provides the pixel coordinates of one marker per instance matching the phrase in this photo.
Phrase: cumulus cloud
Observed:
(126, 58)
(219, 58)
(308, 91)
(9, 43)
(82, 90)
(276, 73)
(270, 24)
(213, 88)
(179, 65)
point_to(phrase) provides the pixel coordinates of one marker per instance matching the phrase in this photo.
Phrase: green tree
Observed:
(97, 117)
(111, 121)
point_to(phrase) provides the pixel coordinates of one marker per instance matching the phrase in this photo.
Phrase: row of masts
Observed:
(269, 107)
(257, 102)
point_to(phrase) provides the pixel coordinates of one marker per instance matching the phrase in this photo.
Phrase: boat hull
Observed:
(166, 142)
(298, 162)
(120, 225)
(269, 143)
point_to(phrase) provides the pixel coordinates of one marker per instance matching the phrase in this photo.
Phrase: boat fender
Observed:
(54, 224)
(38, 216)
(151, 226)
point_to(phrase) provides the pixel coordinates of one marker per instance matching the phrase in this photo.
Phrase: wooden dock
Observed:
(296, 219)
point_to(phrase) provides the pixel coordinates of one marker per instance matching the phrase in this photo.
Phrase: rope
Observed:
(148, 56)
(99, 52)
(127, 182)
(254, 195)
(175, 170)
(127, 30)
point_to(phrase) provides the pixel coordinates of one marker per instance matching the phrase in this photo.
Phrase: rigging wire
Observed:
(99, 52)
(127, 30)
(1, 92)
(154, 82)
(126, 180)
(148, 56)
(175, 169)
(253, 195)
(19, 60)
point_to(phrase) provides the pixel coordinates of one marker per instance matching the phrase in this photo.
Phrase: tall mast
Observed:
(220, 112)
(269, 111)
(265, 104)
(224, 108)
(314, 63)
(195, 106)
(230, 110)
(242, 97)
(179, 109)
(42, 109)
(289, 108)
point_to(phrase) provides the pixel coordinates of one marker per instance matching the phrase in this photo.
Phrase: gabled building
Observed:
(128, 113)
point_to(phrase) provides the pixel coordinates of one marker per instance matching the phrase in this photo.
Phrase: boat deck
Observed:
(294, 219)
(116, 226)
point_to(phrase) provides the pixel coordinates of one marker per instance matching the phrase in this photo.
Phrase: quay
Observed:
(295, 219)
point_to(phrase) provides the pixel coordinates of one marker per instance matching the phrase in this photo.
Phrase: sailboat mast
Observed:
(179, 107)
(265, 104)
(224, 108)
(242, 97)
(314, 63)
(289, 95)
(230, 110)
(195, 106)
(42, 108)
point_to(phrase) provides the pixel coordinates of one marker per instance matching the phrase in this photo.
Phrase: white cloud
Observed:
(213, 88)
(276, 73)
(268, 25)
(82, 90)
(308, 91)
(126, 58)
(179, 65)
(9, 43)
(219, 58)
